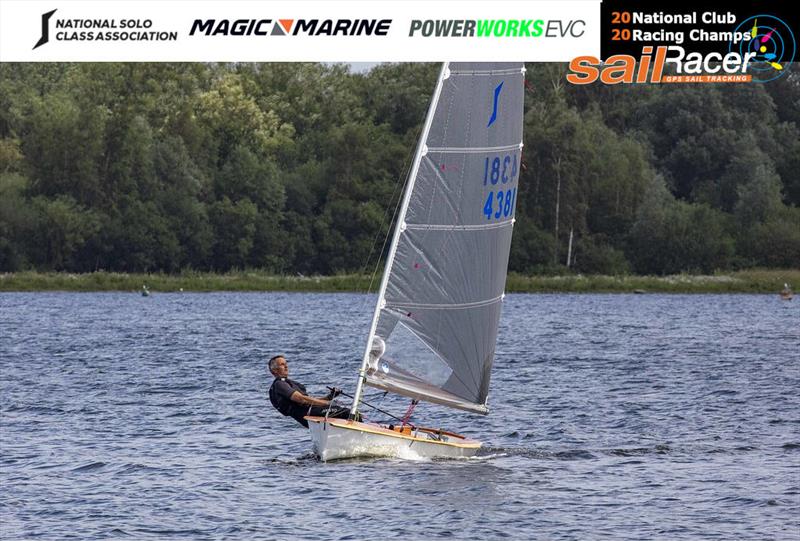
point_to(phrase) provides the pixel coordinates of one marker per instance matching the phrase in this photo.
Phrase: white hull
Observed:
(335, 439)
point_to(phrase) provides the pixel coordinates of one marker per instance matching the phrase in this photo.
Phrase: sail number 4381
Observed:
(500, 204)
(500, 170)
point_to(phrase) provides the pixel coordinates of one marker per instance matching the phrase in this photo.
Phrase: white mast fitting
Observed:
(422, 149)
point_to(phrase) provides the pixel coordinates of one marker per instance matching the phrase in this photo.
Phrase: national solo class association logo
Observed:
(101, 29)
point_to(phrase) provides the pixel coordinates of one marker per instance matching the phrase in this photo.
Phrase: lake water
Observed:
(613, 417)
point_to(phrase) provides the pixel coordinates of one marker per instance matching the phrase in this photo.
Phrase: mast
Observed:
(422, 149)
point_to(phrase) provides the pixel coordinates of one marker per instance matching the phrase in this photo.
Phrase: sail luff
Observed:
(421, 149)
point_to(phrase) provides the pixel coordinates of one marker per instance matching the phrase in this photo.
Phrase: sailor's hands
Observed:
(335, 391)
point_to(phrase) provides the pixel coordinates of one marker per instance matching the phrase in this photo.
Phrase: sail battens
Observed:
(451, 227)
(512, 71)
(474, 150)
(443, 306)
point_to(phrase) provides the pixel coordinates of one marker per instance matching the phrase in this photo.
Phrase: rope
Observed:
(409, 411)
(404, 175)
(528, 86)
(406, 169)
(378, 409)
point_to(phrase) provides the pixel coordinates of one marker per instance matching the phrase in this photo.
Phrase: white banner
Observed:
(330, 31)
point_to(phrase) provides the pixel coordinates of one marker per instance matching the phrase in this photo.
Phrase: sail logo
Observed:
(45, 29)
(291, 27)
(497, 91)
(497, 28)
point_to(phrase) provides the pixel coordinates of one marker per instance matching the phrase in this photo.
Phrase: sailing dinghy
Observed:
(434, 329)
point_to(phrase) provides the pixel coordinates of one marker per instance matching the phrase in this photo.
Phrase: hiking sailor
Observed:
(291, 399)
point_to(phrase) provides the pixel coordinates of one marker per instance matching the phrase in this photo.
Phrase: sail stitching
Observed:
(446, 227)
(511, 71)
(473, 150)
(445, 306)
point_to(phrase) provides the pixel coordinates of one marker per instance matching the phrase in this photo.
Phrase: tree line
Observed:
(297, 168)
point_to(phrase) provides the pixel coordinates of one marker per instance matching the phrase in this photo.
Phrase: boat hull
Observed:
(335, 439)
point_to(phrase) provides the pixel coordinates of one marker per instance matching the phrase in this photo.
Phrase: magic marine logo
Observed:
(104, 30)
(760, 50)
(290, 27)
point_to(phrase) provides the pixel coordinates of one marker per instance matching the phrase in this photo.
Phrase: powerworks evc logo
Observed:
(496, 28)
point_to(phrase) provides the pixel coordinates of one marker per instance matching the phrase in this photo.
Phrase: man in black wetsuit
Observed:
(290, 398)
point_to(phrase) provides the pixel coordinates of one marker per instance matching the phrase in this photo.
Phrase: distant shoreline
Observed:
(750, 281)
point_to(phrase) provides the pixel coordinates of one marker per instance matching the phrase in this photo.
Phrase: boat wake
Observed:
(570, 454)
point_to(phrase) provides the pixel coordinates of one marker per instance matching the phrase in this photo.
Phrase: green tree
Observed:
(181, 186)
(671, 236)
(63, 145)
(17, 222)
(776, 242)
(235, 118)
(234, 226)
(531, 248)
(63, 227)
(594, 255)
(138, 238)
(131, 169)
(770, 230)
(245, 175)
(759, 197)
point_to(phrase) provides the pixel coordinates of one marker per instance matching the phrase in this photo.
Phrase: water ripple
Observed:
(613, 416)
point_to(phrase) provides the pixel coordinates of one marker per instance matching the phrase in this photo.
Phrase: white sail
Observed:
(434, 330)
